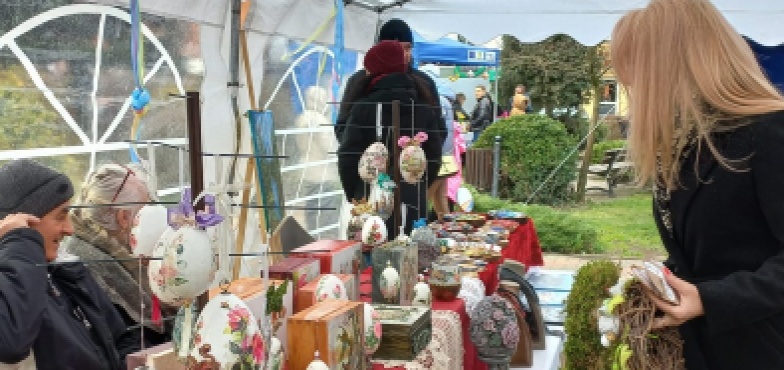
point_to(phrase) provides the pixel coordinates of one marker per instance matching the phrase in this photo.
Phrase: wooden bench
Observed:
(612, 168)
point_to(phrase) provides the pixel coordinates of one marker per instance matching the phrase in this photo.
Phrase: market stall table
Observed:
(523, 247)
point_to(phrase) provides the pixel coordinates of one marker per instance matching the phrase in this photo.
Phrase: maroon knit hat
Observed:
(384, 58)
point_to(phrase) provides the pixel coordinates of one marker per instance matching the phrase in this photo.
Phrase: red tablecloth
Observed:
(470, 359)
(523, 247)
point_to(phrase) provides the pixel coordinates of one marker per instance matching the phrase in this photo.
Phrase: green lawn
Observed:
(625, 225)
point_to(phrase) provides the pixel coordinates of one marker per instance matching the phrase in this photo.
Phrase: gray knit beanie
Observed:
(27, 186)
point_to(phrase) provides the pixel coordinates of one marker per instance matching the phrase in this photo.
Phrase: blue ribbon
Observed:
(338, 48)
(422, 222)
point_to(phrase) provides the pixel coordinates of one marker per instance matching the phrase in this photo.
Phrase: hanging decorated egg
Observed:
(373, 162)
(372, 329)
(148, 226)
(317, 364)
(390, 283)
(374, 231)
(227, 336)
(330, 286)
(422, 296)
(382, 196)
(276, 357)
(413, 162)
(186, 268)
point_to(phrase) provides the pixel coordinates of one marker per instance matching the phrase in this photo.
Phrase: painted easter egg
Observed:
(148, 226)
(186, 268)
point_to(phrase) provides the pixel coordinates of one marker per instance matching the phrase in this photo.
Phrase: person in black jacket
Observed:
(482, 115)
(392, 30)
(386, 82)
(57, 316)
(708, 130)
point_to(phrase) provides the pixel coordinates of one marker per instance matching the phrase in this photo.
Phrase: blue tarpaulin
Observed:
(771, 58)
(453, 52)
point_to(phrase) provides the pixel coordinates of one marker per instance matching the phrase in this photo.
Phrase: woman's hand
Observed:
(16, 221)
(690, 305)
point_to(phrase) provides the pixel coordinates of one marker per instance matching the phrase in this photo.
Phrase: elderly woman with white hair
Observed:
(102, 233)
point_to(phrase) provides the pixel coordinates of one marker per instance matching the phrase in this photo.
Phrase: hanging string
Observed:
(140, 97)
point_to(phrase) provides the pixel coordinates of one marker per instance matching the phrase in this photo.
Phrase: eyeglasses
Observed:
(128, 174)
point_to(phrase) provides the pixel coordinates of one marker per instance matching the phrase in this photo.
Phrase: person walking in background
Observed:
(482, 115)
(520, 90)
(708, 131)
(460, 115)
(519, 105)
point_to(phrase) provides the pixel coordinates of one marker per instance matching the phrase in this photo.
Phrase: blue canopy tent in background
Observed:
(771, 58)
(453, 52)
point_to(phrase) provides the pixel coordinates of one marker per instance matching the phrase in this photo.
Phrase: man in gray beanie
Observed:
(54, 315)
(392, 30)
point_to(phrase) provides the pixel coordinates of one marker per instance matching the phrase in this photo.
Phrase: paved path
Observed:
(568, 262)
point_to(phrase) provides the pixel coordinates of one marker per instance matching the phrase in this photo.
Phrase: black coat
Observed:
(728, 239)
(355, 88)
(66, 320)
(360, 132)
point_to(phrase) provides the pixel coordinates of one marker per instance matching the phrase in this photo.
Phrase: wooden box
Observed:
(406, 331)
(403, 257)
(159, 357)
(306, 296)
(335, 329)
(300, 271)
(336, 256)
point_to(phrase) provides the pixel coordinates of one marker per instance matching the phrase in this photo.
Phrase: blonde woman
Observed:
(102, 233)
(707, 128)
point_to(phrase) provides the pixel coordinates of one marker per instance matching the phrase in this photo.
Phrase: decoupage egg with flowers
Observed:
(373, 162)
(413, 162)
(227, 336)
(372, 329)
(374, 231)
(148, 226)
(330, 286)
(186, 267)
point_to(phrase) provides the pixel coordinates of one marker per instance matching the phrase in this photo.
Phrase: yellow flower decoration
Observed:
(614, 301)
(622, 355)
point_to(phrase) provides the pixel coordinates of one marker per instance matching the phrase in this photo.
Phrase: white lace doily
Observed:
(445, 350)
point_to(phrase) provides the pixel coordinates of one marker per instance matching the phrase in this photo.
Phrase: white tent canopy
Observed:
(588, 21)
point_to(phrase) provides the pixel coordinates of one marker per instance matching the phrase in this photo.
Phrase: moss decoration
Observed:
(583, 347)
(275, 297)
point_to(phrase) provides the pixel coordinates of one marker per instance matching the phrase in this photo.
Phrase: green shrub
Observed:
(583, 347)
(558, 231)
(532, 147)
(597, 154)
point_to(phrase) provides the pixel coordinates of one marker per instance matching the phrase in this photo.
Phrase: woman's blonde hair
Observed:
(112, 182)
(686, 71)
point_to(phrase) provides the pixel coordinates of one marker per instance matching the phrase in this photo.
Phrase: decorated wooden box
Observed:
(336, 256)
(406, 331)
(300, 271)
(394, 273)
(319, 290)
(335, 329)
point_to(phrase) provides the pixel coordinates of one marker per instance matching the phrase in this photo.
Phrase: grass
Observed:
(625, 226)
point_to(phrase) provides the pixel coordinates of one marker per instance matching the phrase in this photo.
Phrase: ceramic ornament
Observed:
(372, 329)
(413, 162)
(317, 364)
(187, 264)
(148, 226)
(374, 231)
(227, 336)
(330, 286)
(390, 283)
(373, 162)
(422, 296)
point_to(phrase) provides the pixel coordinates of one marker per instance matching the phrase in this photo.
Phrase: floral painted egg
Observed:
(186, 268)
(317, 364)
(276, 357)
(373, 162)
(412, 164)
(374, 231)
(227, 336)
(382, 200)
(148, 226)
(372, 329)
(330, 286)
(494, 330)
(422, 296)
(390, 283)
